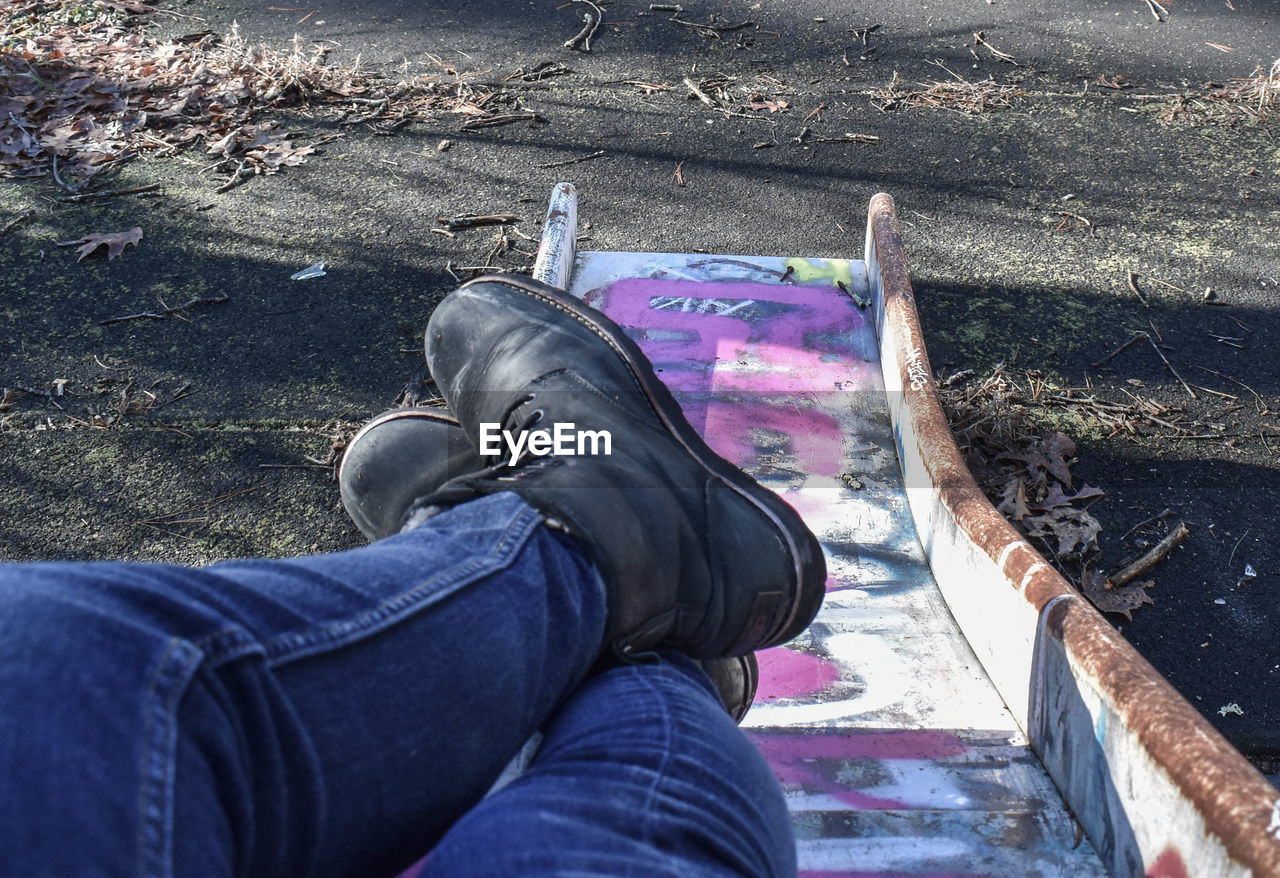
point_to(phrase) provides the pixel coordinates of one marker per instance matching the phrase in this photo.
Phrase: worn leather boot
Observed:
(405, 454)
(396, 458)
(695, 554)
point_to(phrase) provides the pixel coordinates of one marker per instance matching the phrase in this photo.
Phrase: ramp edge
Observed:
(1156, 788)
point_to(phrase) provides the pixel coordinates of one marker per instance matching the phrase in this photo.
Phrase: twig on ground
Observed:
(167, 312)
(504, 119)
(241, 172)
(700, 94)
(711, 30)
(33, 391)
(1185, 386)
(849, 137)
(14, 223)
(979, 39)
(92, 196)
(1263, 408)
(1068, 216)
(582, 158)
(1236, 546)
(1156, 280)
(1167, 513)
(57, 178)
(1133, 285)
(471, 220)
(1151, 558)
(1111, 356)
(590, 24)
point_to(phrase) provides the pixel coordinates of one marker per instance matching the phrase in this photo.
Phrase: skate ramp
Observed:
(956, 708)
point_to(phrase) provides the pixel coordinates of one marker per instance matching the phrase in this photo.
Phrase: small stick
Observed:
(1262, 403)
(850, 137)
(495, 121)
(465, 221)
(700, 94)
(1167, 513)
(713, 30)
(678, 176)
(1236, 546)
(1162, 283)
(1133, 285)
(168, 312)
(1075, 216)
(1213, 392)
(13, 223)
(589, 27)
(241, 172)
(582, 158)
(1149, 560)
(36, 392)
(1185, 386)
(979, 39)
(90, 196)
(58, 179)
(1111, 356)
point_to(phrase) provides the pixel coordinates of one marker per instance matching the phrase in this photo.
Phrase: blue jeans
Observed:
(344, 714)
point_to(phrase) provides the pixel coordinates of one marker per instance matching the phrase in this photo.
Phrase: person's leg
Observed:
(641, 773)
(326, 715)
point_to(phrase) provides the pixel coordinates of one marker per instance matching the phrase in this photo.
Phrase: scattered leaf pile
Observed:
(1025, 470)
(959, 94)
(83, 88)
(1256, 98)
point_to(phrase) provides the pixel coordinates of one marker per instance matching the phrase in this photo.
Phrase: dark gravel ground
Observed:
(248, 390)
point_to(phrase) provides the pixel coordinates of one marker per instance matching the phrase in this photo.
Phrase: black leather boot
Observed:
(396, 458)
(405, 454)
(694, 553)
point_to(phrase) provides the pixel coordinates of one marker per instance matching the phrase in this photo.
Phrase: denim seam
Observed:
(661, 772)
(293, 646)
(159, 744)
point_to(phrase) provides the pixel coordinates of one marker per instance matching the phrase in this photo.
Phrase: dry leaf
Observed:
(1057, 498)
(766, 104)
(1124, 599)
(1013, 500)
(1075, 530)
(115, 242)
(1058, 450)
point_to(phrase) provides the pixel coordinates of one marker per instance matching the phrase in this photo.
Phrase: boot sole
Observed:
(809, 587)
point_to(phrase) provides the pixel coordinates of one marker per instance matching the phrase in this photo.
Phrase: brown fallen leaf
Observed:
(1057, 498)
(1123, 599)
(1013, 500)
(1058, 450)
(115, 242)
(1076, 530)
